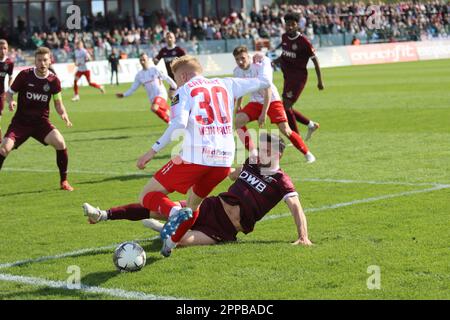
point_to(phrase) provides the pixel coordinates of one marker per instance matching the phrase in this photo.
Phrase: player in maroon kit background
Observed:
(6, 68)
(36, 86)
(257, 189)
(169, 53)
(297, 50)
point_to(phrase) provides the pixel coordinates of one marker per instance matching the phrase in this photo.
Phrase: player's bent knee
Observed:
(241, 120)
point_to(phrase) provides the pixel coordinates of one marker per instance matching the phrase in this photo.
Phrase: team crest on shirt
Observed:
(175, 100)
(294, 46)
(289, 94)
(46, 87)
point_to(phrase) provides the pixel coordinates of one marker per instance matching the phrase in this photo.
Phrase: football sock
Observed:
(184, 227)
(2, 159)
(62, 160)
(297, 141)
(245, 137)
(291, 120)
(159, 202)
(300, 117)
(133, 212)
(92, 84)
(75, 87)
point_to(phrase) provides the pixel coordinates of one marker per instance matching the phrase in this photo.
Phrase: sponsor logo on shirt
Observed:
(289, 54)
(175, 99)
(254, 181)
(37, 96)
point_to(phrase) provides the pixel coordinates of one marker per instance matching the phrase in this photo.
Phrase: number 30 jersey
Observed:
(204, 108)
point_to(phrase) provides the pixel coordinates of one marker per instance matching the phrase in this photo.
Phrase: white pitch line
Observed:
(119, 293)
(67, 254)
(366, 200)
(145, 174)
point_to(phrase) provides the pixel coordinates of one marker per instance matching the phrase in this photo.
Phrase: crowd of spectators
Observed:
(411, 20)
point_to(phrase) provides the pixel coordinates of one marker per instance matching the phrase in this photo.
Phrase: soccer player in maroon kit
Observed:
(297, 50)
(258, 188)
(6, 68)
(169, 53)
(36, 86)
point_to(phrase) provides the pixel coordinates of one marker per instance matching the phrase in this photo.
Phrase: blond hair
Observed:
(42, 50)
(186, 61)
(3, 42)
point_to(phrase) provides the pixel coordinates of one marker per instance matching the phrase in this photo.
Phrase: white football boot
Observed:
(313, 126)
(76, 98)
(153, 224)
(95, 215)
(310, 158)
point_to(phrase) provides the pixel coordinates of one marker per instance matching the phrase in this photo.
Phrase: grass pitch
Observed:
(378, 195)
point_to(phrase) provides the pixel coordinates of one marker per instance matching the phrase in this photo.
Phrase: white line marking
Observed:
(119, 293)
(67, 254)
(366, 200)
(145, 174)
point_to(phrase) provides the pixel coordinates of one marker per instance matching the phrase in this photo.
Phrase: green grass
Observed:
(378, 123)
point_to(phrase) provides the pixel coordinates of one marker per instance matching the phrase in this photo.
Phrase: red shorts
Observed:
(214, 222)
(86, 73)
(20, 131)
(2, 102)
(181, 176)
(293, 87)
(161, 102)
(276, 111)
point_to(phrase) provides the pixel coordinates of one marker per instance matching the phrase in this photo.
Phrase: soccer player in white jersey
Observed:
(151, 78)
(203, 110)
(81, 58)
(266, 102)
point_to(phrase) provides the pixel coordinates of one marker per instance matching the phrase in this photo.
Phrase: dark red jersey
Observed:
(6, 68)
(257, 194)
(296, 53)
(169, 55)
(34, 94)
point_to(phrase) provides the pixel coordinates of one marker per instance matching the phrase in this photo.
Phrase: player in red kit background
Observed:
(36, 86)
(169, 53)
(6, 68)
(297, 50)
(257, 189)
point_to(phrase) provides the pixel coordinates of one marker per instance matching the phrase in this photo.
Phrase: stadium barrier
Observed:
(223, 63)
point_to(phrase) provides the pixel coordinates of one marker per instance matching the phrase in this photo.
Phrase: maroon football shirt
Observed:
(169, 55)
(296, 53)
(257, 194)
(6, 68)
(34, 94)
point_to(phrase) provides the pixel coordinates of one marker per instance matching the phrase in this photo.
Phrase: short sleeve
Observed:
(310, 51)
(160, 54)
(18, 82)
(287, 187)
(11, 69)
(181, 52)
(56, 86)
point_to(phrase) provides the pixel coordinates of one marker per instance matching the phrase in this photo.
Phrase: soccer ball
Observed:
(129, 256)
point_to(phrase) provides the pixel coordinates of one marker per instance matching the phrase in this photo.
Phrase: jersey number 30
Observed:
(211, 113)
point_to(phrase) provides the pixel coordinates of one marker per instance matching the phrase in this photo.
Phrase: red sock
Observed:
(133, 212)
(93, 84)
(75, 87)
(245, 137)
(162, 113)
(300, 117)
(291, 120)
(62, 160)
(297, 141)
(159, 202)
(184, 227)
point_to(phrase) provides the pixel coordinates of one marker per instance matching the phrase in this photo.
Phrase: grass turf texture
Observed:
(378, 123)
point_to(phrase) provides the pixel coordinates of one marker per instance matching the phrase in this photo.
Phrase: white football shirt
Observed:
(256, 70)
(81, 57)
(151, 79)
(203, 110)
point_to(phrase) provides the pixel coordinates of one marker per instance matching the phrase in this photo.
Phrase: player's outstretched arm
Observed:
(296, 209)
(315, 60)
(130, 91)
(61, 110)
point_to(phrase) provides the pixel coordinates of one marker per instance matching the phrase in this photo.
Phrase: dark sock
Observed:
(62, 160)
(300, 117)
(2, 159)
(291, 120)
(133, 212)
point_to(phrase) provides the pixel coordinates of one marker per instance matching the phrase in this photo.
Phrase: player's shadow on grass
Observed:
(104, 129)
(128, 177)
(101, 139)
(28, 192)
